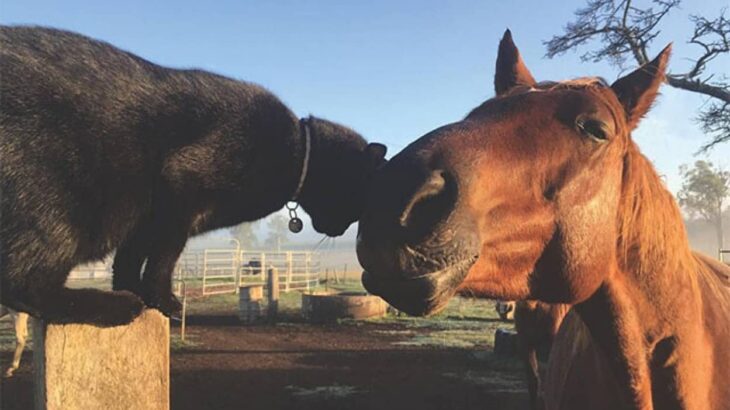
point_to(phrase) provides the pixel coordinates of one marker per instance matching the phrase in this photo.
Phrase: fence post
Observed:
(87, 367)
(306, 269)
(288, 270)
(273, 283)
(263, 267)
(205, 269)
(237, 269)
(184, 312)
(199, 265)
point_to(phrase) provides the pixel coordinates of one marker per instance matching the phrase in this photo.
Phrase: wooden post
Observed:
(238, 278)
(289, 267)
(505, 342)
(237, 266)
(262, 270)
(273, 283)
(307, 260)
(88, 367)
(183, 318)
(250, 300)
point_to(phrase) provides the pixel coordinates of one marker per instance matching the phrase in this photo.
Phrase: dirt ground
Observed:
(392, 363)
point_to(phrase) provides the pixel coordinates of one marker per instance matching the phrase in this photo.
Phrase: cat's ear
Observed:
(375, 153)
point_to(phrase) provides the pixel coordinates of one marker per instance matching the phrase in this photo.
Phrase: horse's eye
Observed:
(593, 128)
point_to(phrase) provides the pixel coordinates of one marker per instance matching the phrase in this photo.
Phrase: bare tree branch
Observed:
(625, 31)
(721, 92)
(622, 29)
(715, 121)
(719, 28)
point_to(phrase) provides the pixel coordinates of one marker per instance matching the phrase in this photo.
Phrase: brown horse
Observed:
(537, 323)
(505, 310)
(540, 193)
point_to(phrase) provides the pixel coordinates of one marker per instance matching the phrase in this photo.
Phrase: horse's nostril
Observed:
(433, 201)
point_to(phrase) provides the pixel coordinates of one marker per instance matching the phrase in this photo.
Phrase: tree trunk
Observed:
(720, 236)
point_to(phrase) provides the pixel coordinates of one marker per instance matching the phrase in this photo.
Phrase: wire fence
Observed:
(94, 270)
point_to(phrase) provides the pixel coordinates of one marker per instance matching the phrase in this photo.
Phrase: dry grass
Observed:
(465, 323)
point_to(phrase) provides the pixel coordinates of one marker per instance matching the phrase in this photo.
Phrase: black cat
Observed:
(102, 150)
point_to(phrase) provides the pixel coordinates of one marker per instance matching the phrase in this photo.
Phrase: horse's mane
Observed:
(651, 233)
(576, 83)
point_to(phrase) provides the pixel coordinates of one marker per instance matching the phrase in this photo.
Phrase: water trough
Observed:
(328, 306)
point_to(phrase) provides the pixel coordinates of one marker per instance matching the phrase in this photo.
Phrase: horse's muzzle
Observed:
(418, 296)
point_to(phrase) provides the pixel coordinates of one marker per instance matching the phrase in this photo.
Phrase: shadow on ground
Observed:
(394, 363)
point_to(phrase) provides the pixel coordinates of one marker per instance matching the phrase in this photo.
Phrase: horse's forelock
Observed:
(574, 84)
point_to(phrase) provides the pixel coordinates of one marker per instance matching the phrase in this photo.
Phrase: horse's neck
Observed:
(614, 325)
(651, 329)
(654, 257)
(638, 323)
(636, 313)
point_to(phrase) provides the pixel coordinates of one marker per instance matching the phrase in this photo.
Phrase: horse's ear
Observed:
(637, 91)
(511, 70)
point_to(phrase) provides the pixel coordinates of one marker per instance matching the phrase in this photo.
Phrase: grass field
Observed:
(463, 323)
(391, 362)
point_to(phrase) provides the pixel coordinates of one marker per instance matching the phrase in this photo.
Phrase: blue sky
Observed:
(392, 70)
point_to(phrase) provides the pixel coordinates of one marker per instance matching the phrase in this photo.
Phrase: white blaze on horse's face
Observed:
(519, 200)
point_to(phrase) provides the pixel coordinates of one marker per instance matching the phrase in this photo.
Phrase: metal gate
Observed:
(297, 270)
(220, 271)
(224, 270)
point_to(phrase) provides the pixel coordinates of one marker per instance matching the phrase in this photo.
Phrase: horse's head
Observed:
(518, 200)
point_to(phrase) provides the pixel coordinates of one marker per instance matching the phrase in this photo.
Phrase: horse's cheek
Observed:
(588, 241)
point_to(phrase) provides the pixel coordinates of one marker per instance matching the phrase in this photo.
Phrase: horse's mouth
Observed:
(421, 295)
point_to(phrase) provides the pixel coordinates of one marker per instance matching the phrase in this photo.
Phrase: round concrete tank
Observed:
(330, 306)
